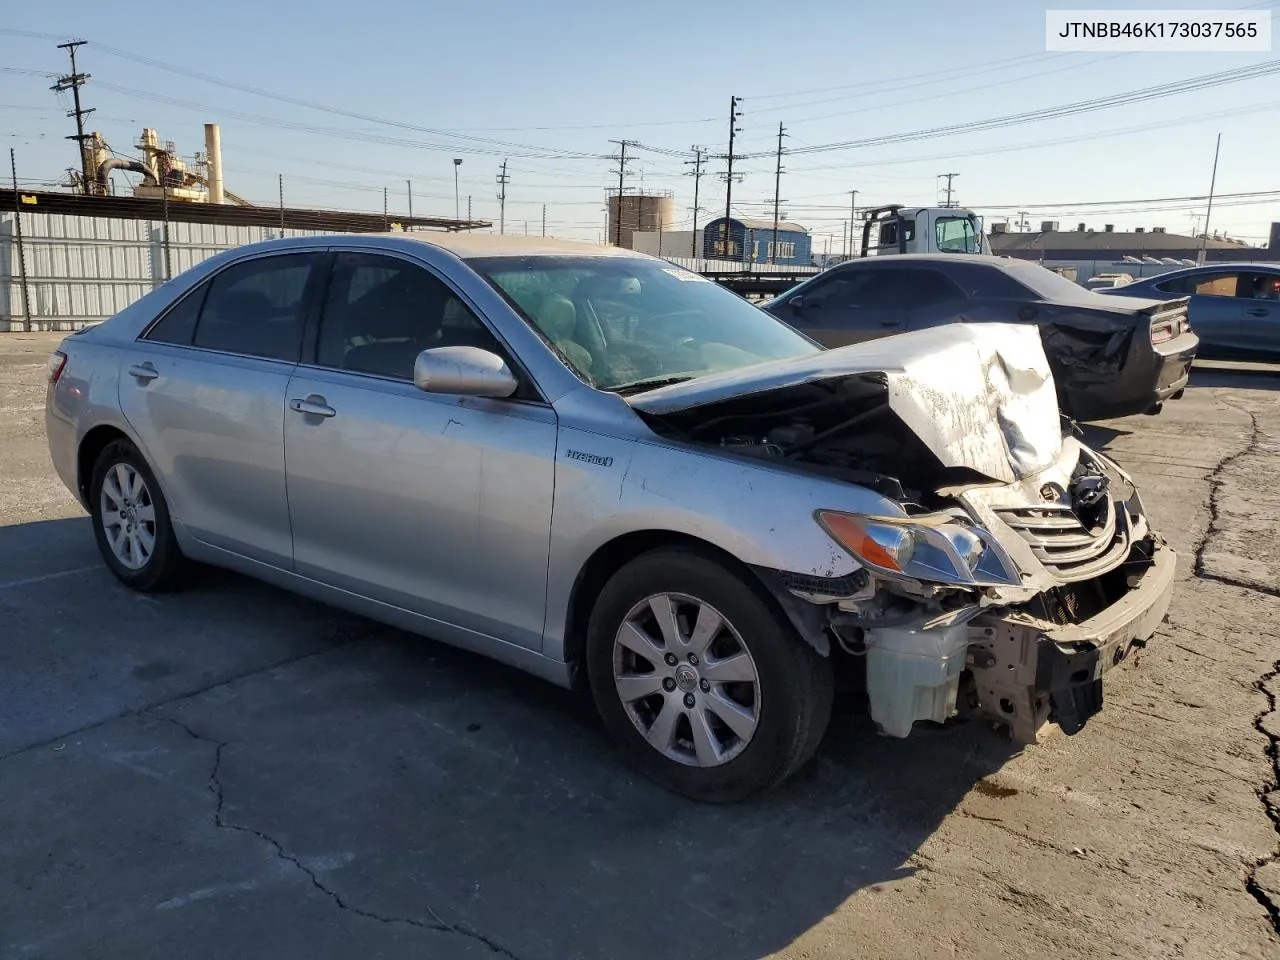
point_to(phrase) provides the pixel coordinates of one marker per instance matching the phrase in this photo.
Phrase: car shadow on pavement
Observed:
(500, 804)
(1237, 375)
(427, 787)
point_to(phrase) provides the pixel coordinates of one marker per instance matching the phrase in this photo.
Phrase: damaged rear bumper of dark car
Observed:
(1028, 671)
(1147, 375)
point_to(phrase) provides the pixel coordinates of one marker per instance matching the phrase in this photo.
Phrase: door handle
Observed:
(313, 406)
(1258, 312)
(144, 372)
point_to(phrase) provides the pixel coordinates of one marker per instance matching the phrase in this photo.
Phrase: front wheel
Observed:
(131, 520)
(703, 683)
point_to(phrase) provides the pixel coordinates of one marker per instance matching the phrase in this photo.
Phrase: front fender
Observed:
(760, 513)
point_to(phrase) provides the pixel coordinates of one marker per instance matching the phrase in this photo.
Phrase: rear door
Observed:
(1215, 311)
(849, 306)
(204, 390)
(1259, 329)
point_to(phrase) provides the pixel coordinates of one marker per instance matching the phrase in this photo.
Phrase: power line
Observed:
(1202, 82)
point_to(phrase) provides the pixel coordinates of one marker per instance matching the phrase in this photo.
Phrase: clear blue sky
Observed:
(558, 80)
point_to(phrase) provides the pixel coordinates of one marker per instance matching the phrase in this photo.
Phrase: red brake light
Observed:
(57, 363)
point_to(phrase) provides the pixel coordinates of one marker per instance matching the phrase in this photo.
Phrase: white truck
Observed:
(899, 229)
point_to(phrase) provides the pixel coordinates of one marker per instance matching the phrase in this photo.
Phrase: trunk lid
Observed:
(979, 396)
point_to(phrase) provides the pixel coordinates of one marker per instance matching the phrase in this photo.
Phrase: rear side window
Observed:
(914, 289)
(981, 282)
(256, 307)
(179, 323)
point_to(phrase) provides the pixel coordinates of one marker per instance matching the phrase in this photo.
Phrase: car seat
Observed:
(558, 319)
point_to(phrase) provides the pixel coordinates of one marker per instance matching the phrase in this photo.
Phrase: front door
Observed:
(436, 504)
(848, 307)
(204, 390)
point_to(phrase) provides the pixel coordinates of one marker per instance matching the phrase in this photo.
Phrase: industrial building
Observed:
(1085, 252)
(632, 211)
(753, 241)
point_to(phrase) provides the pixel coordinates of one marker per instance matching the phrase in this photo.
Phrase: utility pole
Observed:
(699, 158)
(544, 219)
(734, 114)
(503, 180)
(853, 219)
(1023, 223)
(73, 82)
(1213, 180)
(457, 162)
(622, 173)
(280, 187)
(468, 208)
(950, 177)
(409, 184)
(696, 173)
(17, 233)
(386, 224)
(777, 185)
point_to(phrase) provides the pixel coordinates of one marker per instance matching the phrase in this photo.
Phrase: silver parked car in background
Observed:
(594, 465)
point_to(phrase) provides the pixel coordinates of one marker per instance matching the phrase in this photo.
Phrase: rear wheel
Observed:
(702, 682)
(131, 520)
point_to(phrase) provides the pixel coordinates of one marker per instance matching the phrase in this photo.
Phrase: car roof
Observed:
(1224, 265)
(467, 246)
(982, 259)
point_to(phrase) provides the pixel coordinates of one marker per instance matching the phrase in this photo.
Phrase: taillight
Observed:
(1160, 332)
(57, 363)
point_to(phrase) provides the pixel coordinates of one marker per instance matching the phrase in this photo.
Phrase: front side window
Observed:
(256, 307)
(381, 312)
(1222, 285)
(623, 323)
(955, 235)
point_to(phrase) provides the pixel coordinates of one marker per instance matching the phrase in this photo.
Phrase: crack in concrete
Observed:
(177, 698)
(1273, 754)
(1216, 484)
(438, 925)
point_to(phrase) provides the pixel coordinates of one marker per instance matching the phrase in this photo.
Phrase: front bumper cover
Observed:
(1029, 671)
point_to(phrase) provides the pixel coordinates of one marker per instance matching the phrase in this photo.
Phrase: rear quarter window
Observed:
(980, 282)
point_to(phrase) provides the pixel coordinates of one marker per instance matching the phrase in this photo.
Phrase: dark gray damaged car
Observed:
(1110, 356)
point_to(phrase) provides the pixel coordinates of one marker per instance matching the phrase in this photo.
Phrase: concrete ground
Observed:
(234, 772)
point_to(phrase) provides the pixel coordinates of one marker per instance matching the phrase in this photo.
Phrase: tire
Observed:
(117, 500)
(788, 698)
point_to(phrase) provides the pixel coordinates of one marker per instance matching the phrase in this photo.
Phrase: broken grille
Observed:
(1064, 545)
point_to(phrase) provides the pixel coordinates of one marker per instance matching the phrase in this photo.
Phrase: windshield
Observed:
(956, 235)
(629, 323)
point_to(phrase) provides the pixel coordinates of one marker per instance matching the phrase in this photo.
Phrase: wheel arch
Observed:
(613, 555)
(91, 447)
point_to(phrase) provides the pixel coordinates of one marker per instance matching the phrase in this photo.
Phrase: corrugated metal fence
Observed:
(84, 269)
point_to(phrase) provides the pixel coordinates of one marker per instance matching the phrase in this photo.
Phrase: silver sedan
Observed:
(599, 467)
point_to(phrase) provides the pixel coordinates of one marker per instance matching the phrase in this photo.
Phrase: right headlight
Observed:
(936, 548)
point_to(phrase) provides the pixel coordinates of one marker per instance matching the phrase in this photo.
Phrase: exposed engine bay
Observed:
(1021, 569)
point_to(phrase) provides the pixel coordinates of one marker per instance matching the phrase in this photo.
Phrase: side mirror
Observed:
(463, 372)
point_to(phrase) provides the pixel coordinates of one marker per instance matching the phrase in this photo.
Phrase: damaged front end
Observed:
(1021, 567)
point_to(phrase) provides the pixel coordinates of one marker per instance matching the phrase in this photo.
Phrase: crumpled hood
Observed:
(979, 396)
